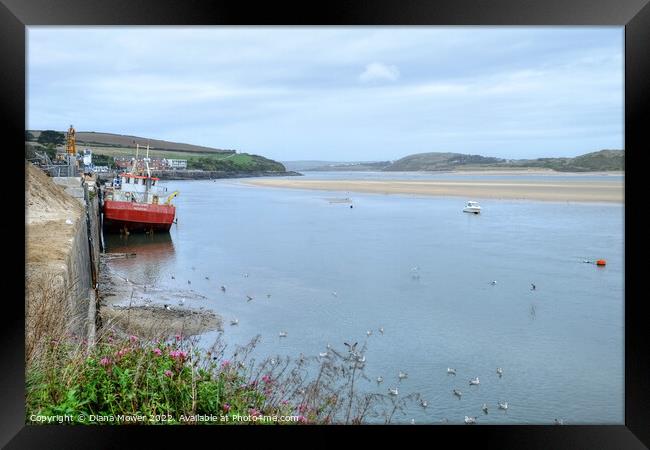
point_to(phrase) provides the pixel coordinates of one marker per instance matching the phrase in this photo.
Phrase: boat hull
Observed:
(137, 217)
(472, 210)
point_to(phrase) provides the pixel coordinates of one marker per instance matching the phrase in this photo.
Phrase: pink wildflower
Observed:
(133, 339)
(254, 412)
(168, 373)
(178, 354)
(105, 361)
(178, 337)
(157, 351)
(226, 407)
(302, 419)
(225, 363)
(266, 378)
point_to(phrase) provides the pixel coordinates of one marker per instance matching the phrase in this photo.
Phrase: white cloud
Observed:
(378, 72)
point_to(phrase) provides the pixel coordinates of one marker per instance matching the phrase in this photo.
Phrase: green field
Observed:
(130, 152)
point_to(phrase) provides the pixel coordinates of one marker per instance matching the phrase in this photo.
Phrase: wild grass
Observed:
(165, 380)
(47, 314)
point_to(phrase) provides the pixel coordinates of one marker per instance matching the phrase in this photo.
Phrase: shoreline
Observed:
(579, 191)
(135, 309)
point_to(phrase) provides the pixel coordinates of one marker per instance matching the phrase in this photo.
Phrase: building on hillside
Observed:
(177, 163)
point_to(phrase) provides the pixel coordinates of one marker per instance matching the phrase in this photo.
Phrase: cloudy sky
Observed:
(336, 93)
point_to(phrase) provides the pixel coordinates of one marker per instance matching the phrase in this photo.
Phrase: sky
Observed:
(336, 93)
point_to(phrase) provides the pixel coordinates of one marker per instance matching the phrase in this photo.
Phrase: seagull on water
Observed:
(189, 282)
(533, 287)
(207, 278)
(234, 322)
(485, 408)
(381, 330)
(393, 391)
(167, 307)
(245, 275)
(323, 354)
(457, 393)
(470, 420)
(182, 302)
(474, 382)
(503, 405)
(223, 288)
(173, 277)
(451, 371)
(368, 332)
(499, 372)
(380, 379)
(494, 282)
(402, 375)
(424, 403)
(249, 298)
(283, 334)
(559, 421)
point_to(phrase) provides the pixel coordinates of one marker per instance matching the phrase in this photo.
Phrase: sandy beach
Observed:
(552, 190)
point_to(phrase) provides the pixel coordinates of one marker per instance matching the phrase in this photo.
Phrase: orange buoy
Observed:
(601, 262)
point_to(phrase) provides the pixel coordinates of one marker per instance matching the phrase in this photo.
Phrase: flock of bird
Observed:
(475, 382)
(393, 391)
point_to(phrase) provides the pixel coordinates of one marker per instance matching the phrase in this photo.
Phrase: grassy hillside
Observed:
(106, 146)
(121, 141)
(439, 161)
(603, 160)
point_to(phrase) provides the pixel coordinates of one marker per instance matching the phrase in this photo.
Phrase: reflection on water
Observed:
(153, 255)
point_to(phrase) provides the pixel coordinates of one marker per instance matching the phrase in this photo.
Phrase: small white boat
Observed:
(474, 382)
(472, 207)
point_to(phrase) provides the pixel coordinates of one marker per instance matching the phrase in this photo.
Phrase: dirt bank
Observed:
(57, 269)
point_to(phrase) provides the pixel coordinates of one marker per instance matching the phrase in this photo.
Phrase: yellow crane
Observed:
(71, 148)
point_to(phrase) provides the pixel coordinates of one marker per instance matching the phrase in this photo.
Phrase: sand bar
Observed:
(552, 190)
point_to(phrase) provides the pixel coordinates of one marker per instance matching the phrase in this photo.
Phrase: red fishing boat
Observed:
(134, 202)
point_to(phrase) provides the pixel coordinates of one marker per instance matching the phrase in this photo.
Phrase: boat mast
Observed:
(135, 161)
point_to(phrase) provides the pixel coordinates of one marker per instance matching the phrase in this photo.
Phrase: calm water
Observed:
(561, 346)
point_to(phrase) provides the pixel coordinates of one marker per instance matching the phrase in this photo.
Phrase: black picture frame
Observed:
(634, 15)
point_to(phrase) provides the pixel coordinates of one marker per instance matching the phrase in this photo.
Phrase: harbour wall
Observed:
(62, 258)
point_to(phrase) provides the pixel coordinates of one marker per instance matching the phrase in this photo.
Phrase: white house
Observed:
(177, 163)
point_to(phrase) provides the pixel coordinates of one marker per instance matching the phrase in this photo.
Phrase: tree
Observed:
(51, 137)
(29, 136)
